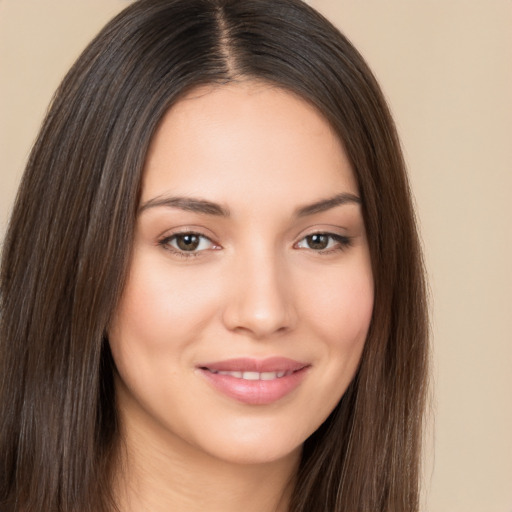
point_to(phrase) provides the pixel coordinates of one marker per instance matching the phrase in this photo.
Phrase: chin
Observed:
(255, 444)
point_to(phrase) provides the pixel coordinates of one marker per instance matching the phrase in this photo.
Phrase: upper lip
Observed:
(246, 364)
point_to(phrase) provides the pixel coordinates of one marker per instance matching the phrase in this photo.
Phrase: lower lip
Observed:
(255, 392)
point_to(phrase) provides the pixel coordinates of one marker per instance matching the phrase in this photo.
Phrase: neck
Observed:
(169, 474)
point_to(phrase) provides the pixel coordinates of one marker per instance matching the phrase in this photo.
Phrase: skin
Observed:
(255, 287)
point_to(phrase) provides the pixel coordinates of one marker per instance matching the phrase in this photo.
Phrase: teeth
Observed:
(238, 375)
(251, 376)
(254, 375)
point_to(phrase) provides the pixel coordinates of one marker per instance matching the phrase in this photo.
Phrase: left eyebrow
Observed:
(326, 204)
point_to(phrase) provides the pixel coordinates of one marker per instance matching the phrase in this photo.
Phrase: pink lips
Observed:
(255, 381)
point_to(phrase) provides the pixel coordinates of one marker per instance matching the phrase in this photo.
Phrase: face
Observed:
(250, 289)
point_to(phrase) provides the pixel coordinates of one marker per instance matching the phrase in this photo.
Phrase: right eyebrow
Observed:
(189, 204)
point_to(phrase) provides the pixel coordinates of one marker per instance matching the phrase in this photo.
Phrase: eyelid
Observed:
(343, 242)
(164, 242)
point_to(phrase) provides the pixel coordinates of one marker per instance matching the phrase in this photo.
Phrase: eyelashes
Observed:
(324, 242)
(190, 244)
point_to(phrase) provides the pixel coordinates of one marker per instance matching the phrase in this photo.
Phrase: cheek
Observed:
(342, 307)
(341, 318)
(161, 315)
(161, 309)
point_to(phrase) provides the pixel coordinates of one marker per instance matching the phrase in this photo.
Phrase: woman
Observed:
(212, 288)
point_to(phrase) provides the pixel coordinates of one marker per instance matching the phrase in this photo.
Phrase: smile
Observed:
(253, 381)
(254, 375)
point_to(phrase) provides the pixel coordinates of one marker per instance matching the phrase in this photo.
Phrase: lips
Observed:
(255, 381)
(254, 375)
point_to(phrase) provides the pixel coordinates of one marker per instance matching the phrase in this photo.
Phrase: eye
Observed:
(324, 242)
(187, 243)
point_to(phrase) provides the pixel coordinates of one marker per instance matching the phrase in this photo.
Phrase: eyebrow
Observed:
(326, 204)
(189, 204)
(206, 207)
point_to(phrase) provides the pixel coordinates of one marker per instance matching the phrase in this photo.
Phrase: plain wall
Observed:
(446, 69)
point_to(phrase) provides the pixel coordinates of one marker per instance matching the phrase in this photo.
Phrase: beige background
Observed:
(446, 68)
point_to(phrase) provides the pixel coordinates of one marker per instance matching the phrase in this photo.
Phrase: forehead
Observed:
(244, 141)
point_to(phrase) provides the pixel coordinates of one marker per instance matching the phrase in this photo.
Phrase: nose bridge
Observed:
(260, 301)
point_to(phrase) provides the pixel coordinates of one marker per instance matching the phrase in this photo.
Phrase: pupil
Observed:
(188, 242)
(318, 241)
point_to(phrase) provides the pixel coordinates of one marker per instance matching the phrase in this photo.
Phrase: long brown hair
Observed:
(67, 251)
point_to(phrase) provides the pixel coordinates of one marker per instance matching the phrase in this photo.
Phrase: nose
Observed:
(260, 300)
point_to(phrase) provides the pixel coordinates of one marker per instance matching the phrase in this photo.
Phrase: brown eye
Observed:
(324, 242)
(318, 241)
(187, 242)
